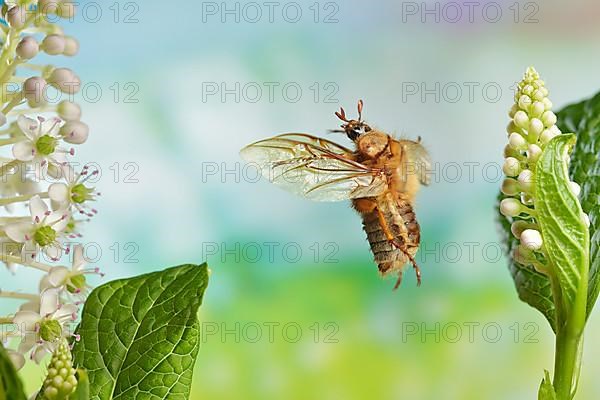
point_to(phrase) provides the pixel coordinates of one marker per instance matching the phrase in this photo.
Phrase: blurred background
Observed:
(295, 308)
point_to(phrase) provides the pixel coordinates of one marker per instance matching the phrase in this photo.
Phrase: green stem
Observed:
(569, 342)
(19, 296)
(19, 260)
(22, 198)
(567, 363)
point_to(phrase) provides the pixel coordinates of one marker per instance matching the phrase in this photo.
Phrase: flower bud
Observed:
(53, 44)
(511, 166)
(28, 48)
(65, 80)
(510, 187)
(575, 188)
(548, 118)
(519, 226)
(71, 46)
(527, 89)
(513, 111)
(16, 17)
(524, 102)
(75, 132)
(554, 129)
(511, 127)
(537, 109)
(538, 95)
(521, 119)
(547, 136)
(531, 239)
(511, 207)
(547, 104)
(586, 219)
(536, 127)
(34, 90)
(526, 180)
(533, 153)
(526, 199)
(517, 141)
(69, 111)
(61, 381)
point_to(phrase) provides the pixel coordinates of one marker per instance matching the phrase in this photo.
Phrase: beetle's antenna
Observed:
(341, 115)
(360, 109)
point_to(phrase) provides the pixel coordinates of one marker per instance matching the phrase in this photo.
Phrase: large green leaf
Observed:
(140, 336)
(560, 217)
(584, 119)
(532, 287)
(11, 387)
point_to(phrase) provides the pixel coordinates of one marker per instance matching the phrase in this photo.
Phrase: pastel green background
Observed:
(175, 212)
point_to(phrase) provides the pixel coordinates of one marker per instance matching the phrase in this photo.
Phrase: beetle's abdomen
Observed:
(403, 226)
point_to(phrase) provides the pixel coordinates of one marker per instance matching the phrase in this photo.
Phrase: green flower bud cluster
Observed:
(60, 381)
(532, 126)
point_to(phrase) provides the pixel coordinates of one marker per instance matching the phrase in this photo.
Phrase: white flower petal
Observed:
(17, 359)
(44, 284)
(59, 192)
(67, 310)
(49, 301)
(19, 232)
(59, 220)
(37, 207)
(51, 126)
(79, 260)
(28, 126)
(26, 320)
(30, 250)
(33, 305)
(53, 251)
(68, 174)
(39, 353)
(24, 151)
(57, 276)
(27, 342)
(53, 167)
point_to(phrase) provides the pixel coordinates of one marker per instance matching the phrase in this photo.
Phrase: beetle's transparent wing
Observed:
(314, 168)
(419, 160)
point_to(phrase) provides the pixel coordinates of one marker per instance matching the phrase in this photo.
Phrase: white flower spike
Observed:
(38, 138)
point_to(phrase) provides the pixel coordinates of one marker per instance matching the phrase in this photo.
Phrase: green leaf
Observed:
(140, 336)
(532, 286)
(546, 389)
(560, 217)
(11, 387)
(584, 119)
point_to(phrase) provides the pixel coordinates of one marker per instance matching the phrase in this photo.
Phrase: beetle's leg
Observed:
(392, 240)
